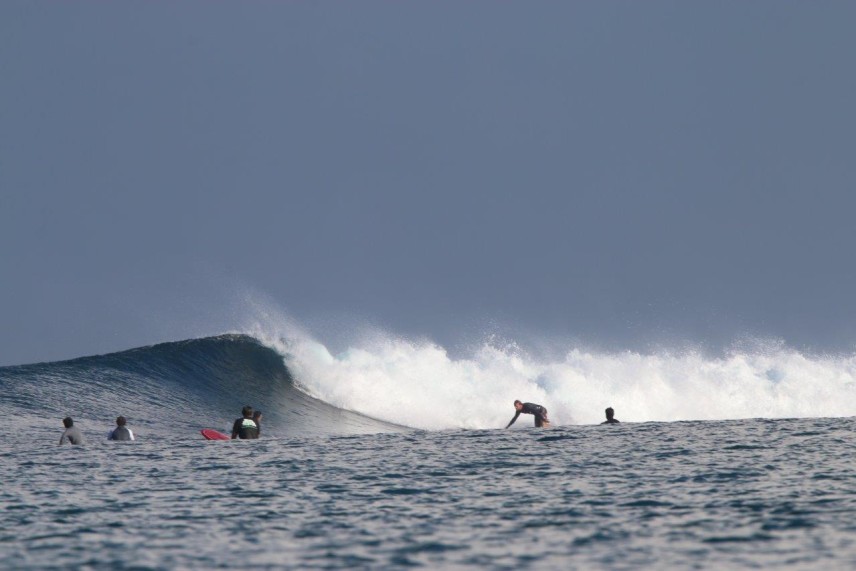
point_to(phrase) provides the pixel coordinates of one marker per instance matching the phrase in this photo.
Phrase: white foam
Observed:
(417, 383)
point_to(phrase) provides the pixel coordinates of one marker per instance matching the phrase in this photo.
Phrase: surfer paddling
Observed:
(245, 427)
(537, 410)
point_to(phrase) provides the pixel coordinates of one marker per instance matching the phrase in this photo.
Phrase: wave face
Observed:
(173, 389)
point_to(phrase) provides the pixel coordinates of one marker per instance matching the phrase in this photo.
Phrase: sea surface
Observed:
(328, 488)
(690, 495)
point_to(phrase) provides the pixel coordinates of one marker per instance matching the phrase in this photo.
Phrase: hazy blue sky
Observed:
(622, 173)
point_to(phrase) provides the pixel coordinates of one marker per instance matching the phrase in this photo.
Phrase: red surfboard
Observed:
(211, 434)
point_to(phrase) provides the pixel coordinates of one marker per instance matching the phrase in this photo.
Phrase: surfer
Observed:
(610, 417)
(257, 418)
(121, 432)
(245, 428)
(71, 433)
(528, 408)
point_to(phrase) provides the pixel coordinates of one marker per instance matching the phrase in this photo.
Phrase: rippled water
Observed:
(738, 494)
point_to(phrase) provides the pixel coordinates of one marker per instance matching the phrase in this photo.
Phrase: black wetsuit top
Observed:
(528, 408)
(245, 428)
(611, 421)
(121, 433)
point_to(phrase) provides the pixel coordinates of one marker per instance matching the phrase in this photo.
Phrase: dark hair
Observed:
(247, 411)
(257, 414)
(120, 421)
(68, 422)
(610, 413)
(517, 402)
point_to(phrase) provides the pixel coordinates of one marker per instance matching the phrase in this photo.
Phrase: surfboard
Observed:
(211, 434)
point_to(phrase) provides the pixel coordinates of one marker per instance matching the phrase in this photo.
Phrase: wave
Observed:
(417, 383)
(384, 383)
(176, 387)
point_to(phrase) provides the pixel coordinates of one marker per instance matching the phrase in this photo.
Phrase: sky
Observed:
(619, 174)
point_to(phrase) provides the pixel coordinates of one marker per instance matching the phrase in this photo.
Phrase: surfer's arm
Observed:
(513, 419)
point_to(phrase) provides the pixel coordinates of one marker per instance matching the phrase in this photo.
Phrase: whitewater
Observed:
(388, 453)
(418, 384)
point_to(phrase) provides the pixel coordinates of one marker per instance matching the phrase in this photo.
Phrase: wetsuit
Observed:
(528, 408)
(73, 435)
(611, 421)
(245, 428)
(121, 433)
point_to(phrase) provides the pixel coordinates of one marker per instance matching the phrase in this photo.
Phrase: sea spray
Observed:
(418, 383)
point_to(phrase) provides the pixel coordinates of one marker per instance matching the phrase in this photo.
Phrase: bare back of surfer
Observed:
(71, 434)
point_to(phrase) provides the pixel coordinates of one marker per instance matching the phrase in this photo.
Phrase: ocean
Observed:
(392, 455)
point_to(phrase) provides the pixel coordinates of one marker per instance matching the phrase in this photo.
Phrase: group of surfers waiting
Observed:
(249, 426)
(73, 435)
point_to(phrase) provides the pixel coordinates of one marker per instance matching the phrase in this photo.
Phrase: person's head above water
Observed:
(518, 405)
(67, 422)
(120, 421)
(609, 413)
(247, 411)
(257, 415)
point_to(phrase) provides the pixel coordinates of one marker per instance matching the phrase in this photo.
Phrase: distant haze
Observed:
(619, 174)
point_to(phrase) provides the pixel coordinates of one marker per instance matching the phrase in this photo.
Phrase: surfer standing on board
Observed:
(245, 428)
(539, 411)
